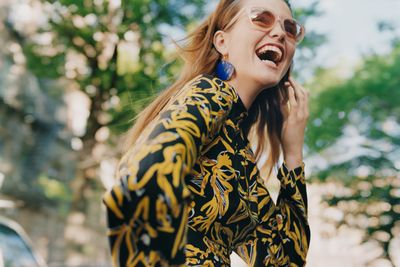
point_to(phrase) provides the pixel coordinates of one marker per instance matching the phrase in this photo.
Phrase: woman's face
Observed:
(246, 45)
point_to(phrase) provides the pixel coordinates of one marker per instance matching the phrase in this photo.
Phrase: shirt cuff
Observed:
(297, 172)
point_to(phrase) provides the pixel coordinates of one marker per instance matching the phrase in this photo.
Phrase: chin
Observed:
(271, 80)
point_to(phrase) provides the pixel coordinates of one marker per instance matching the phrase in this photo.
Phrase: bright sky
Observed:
(352, 28)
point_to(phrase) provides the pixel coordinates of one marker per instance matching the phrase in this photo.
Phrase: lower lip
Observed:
(269, 64)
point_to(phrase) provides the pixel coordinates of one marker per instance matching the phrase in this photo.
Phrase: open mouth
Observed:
(270, 53)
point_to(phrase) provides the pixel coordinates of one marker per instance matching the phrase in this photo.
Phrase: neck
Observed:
(246, 90)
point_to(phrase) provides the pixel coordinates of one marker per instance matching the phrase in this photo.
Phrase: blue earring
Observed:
(224, 70)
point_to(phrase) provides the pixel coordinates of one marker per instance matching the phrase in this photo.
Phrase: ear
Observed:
(220, 42)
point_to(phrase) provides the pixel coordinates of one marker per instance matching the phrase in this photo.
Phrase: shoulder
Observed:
(208, 81)
(211, 88)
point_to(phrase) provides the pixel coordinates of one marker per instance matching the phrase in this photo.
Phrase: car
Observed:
(16, 249)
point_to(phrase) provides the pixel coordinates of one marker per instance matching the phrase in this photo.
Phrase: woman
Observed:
(189, 191)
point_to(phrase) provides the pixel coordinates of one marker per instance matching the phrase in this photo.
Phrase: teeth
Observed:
(271, 48)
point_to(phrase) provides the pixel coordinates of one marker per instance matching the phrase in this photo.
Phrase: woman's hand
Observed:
(295, 115)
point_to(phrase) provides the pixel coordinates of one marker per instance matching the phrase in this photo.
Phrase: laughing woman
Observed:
(189, 191)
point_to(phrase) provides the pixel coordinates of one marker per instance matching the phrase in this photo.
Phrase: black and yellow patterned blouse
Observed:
(189, 192)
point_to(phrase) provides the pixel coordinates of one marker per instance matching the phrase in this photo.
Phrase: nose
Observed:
(278, 30)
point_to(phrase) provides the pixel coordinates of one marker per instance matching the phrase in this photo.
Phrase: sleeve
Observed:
(147, 208)
(283, 235)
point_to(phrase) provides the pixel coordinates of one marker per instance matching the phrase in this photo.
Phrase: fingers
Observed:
(296, 85)
(305, 96)
(298, 98)
(300, 89)
(283, 105)
(292, 97)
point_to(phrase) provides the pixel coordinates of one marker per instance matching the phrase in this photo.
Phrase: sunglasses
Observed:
(264, 19)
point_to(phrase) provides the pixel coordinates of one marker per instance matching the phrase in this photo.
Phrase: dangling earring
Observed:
(224, 69)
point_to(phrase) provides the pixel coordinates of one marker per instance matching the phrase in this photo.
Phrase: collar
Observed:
(238, 111)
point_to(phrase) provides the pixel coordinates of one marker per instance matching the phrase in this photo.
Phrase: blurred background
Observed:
(73, 74)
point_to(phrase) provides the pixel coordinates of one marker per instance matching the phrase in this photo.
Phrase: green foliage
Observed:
(54, 190)
(121, 50)
(365, 104)
(116, 55)
(372, 91)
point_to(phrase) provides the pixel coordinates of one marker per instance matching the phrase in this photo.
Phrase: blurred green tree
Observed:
(115, 53)
(355, 129)
(30, 139)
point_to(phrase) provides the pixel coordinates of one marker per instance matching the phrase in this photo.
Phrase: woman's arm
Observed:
(292, 215)
(147, 208)
(282, 237)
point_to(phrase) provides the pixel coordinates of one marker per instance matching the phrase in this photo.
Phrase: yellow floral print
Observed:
(189, 192)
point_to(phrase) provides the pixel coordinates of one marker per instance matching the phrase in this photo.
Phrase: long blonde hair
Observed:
(200, 57)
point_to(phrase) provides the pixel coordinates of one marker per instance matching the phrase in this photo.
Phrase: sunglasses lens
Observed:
(263, 19)
(291, 28)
